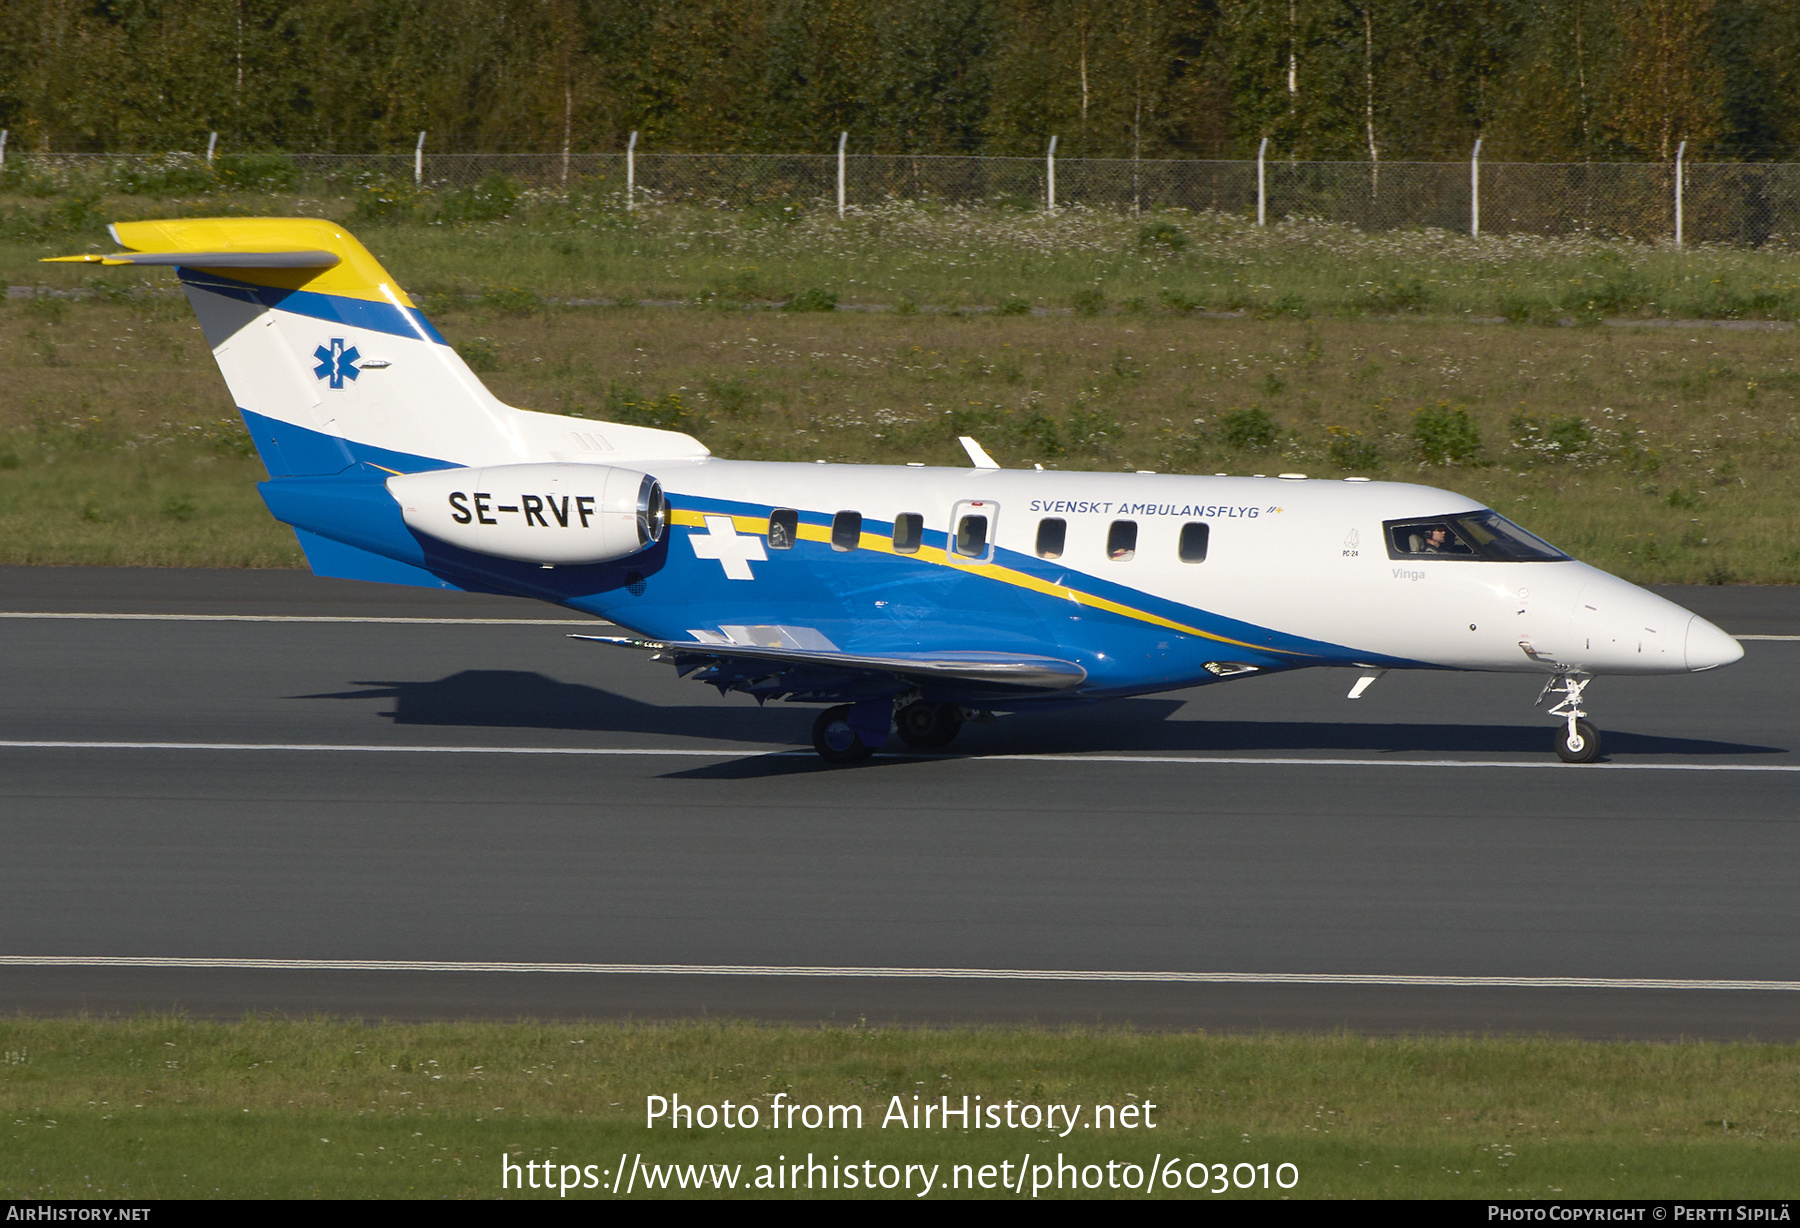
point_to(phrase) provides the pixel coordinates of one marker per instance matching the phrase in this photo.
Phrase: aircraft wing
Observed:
(731, 663)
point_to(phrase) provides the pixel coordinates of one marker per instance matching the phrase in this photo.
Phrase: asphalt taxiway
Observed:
(224, 792)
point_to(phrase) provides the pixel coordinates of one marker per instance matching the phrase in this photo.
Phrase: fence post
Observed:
(1475, 191)
(419, 161)
(631, 173)
(1680, 153)
(3, 135)
(212, 143)
(1262, 189)
(843, 139)
(1050, 176)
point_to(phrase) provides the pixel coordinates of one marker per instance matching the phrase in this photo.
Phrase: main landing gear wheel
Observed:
(924, 726)
(836, 740)
(1578, 742)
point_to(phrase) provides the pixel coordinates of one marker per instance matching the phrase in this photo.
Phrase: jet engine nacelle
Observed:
(548, 513)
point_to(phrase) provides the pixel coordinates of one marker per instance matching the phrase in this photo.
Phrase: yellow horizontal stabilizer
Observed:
(289, 253)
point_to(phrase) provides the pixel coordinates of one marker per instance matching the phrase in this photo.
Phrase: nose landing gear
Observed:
(1577, 741)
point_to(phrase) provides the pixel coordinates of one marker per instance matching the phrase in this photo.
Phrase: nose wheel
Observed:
(1577, 741)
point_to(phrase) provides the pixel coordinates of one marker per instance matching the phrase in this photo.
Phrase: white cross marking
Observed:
(721, 541)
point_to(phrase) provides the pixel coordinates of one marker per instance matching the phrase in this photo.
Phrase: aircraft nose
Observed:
(1708, 647)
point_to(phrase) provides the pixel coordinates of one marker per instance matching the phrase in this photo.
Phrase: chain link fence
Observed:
(1747, 204)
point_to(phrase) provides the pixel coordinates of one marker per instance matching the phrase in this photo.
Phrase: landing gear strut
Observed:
(1577, 741)
(924, 726)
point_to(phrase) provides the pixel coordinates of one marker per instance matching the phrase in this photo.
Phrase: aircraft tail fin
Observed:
(333, 365)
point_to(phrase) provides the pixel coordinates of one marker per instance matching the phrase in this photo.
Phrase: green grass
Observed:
(1664, 454)
(173, 1108)
(959, 256)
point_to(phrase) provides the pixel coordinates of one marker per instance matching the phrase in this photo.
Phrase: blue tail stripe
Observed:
(297, 451)
(355, 312)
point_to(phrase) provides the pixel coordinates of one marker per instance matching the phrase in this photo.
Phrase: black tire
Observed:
(924, 726)
(835, 740)
(1583, 748)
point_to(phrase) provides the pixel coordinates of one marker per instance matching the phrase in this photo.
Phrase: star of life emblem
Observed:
(338, 363)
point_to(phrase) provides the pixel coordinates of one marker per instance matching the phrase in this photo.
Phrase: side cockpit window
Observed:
(1471, 535)
(1426, 538)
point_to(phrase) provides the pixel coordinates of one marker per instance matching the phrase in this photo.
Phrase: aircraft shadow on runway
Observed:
(518, 699)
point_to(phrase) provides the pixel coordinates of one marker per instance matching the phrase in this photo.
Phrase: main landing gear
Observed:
(924, 726)
(1577, 741)
(850, 733)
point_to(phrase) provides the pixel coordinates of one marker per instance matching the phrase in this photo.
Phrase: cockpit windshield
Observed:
(1470, 535)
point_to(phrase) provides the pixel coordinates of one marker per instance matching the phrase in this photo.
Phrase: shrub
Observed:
(480, 353)
(1445, 436)
(488, 201)
(732, 396)
(667, 412)
(384, 202)
(1396, 294)
(812, 300)
(1015, 306)
(1286, 305)
(1352, 449)
(1161, 236)
(1090, 301)
(1249, 430)
(510, 300)
(1553, 438)
(1180, 303)
(257, 172)
(164, 178)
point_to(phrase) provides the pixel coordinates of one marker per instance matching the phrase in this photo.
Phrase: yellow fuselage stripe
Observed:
(759, 525)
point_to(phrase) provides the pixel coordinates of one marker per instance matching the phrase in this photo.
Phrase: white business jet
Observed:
(906, 598)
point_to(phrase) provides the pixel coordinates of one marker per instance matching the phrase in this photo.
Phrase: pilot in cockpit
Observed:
(1433, 539)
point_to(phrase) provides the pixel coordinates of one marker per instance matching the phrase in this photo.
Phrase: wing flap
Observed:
(987, 668)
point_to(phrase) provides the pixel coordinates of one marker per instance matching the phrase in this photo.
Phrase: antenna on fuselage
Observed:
(977, 454)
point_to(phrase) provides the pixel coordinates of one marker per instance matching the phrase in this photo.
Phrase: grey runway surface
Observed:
(1224, 830)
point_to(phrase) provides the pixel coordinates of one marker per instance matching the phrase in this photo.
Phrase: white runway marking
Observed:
(322, 618)
(653, 752)
(953, 974)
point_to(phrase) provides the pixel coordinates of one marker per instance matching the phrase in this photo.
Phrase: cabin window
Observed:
(846, 531)
(1052, 534)
(909, 531)
(1193, 542)
(971, 535)
(1121, 541)
(784, 527)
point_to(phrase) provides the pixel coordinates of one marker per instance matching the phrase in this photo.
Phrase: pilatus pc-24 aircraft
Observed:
(906, 598)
